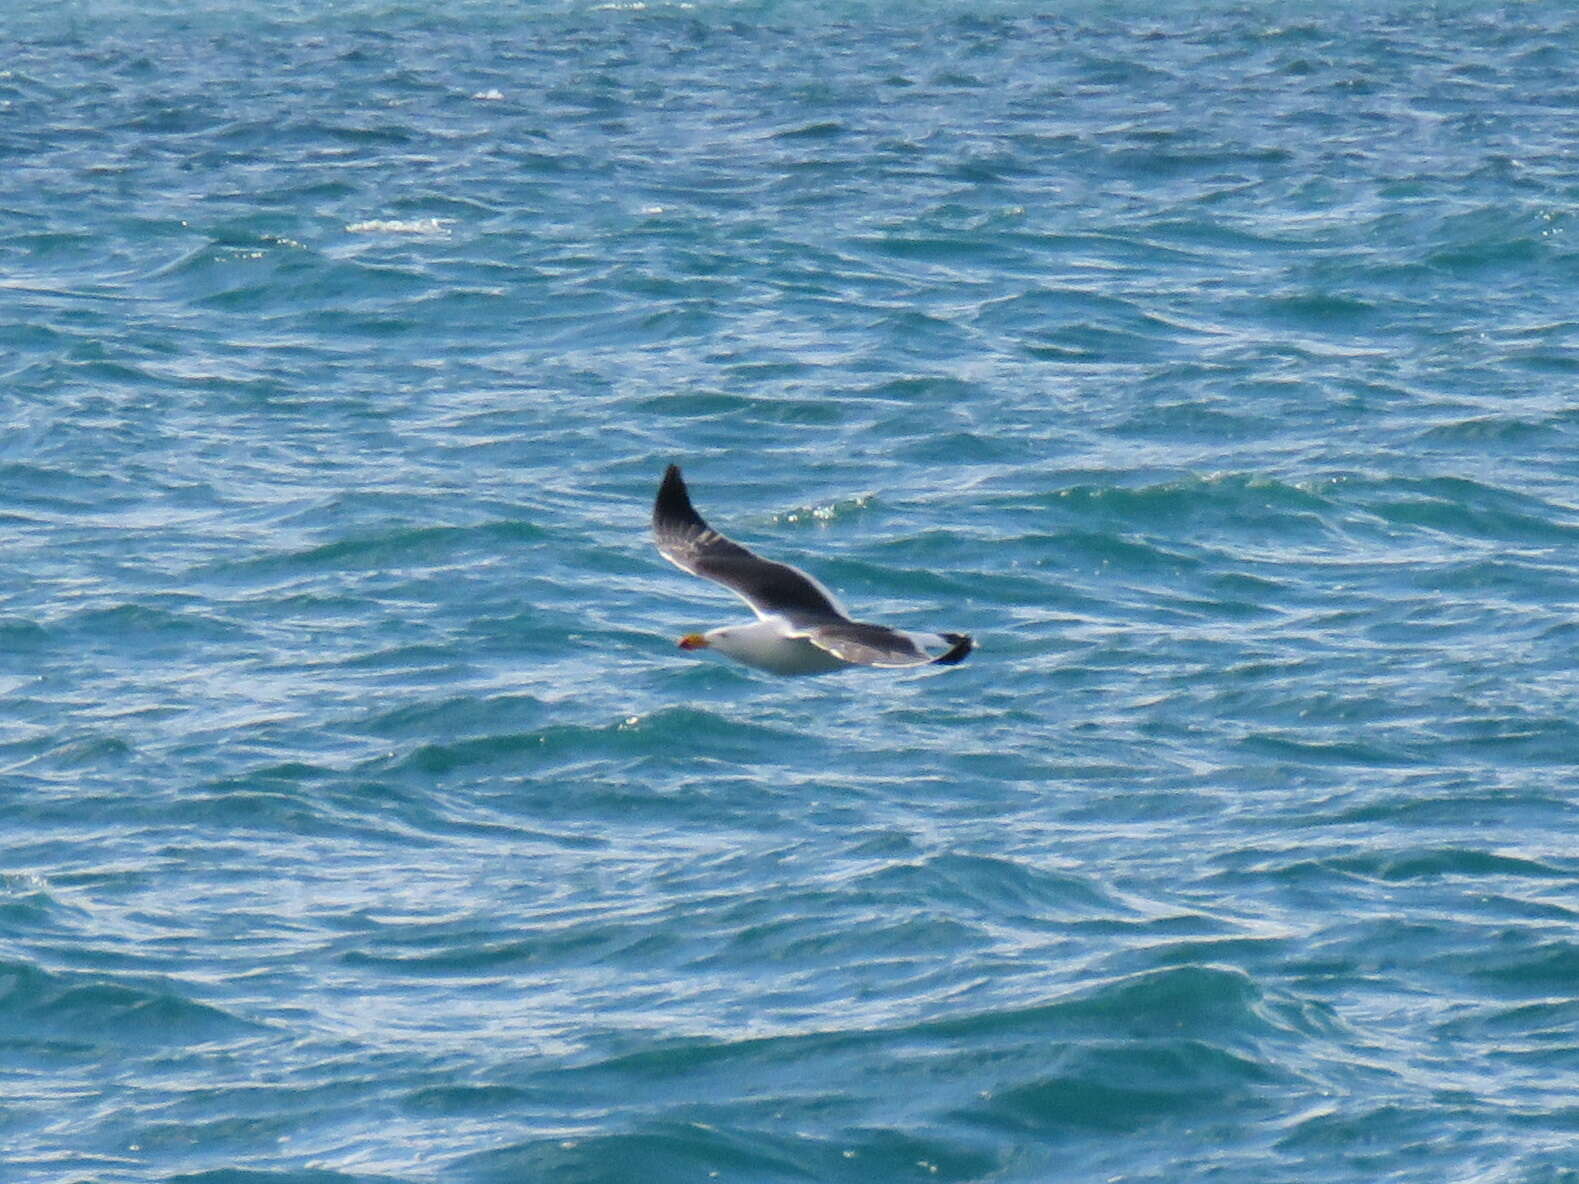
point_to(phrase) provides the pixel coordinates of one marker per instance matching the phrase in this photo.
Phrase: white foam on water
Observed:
(401, 226)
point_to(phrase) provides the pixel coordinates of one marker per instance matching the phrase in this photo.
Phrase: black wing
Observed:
(771, 589)
(878, 645)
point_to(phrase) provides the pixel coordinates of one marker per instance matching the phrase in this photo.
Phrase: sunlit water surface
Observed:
(359, 820)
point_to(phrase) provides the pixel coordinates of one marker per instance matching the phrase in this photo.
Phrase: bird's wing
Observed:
(771, 589)
(878, 645)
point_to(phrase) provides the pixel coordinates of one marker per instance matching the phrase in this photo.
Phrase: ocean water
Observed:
(1214, 365)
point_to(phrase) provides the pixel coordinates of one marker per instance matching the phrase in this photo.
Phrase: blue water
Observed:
(1215, 367)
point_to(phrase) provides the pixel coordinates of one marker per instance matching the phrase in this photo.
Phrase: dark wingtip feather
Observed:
(960, 644)
(673, 504)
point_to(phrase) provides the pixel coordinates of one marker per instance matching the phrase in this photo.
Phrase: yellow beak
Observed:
(693, 641)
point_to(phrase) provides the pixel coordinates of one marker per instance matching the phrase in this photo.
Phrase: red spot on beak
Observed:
(693, 641)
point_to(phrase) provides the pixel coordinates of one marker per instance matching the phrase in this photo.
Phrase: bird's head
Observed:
(693, 641)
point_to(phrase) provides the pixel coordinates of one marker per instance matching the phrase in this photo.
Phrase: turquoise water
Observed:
(359, 819)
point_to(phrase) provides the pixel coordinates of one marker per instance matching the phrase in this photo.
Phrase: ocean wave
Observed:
(73, 1009)
(1120, 1088)
(362, 819)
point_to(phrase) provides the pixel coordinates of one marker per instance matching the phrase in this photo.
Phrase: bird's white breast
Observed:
(767, 645)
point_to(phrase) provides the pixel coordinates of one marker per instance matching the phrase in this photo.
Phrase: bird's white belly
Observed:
(764, 646)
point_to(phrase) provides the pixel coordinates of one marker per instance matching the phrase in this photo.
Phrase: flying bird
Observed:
(800, 627)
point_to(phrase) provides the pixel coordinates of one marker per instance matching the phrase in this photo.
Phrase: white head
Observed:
(726, 639)
(767, 645)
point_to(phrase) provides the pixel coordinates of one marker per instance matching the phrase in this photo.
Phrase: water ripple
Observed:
(364, 823)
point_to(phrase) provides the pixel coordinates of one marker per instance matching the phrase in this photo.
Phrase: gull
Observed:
(800, 627)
